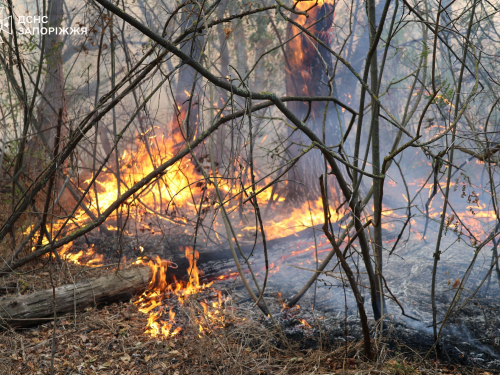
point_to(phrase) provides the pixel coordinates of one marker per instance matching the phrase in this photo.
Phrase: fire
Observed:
(301, 48)
(175, 197)
(87, 257)
(194, 282)
(173, 200)
(306, 5)
(153, 302)
(304, 323)
(297, 219)
(228, 276)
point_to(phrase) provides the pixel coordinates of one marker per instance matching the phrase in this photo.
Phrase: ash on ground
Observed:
(328, 313)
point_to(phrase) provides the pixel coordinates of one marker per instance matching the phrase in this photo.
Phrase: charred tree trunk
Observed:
(36, 308)
(307, 73)
(186, 116)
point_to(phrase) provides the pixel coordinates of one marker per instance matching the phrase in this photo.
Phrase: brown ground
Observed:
(111, 340)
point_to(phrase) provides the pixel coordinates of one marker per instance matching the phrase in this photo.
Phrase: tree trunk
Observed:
(307, 75)
(221, 134)
(185, 123)
(378, 303)
(36, 308)
(54, 97)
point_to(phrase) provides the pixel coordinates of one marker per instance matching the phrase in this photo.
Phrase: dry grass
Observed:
(111, 340)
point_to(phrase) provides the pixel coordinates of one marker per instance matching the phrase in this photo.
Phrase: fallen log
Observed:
(36, 308)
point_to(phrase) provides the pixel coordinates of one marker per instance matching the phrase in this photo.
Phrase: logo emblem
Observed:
(5, 23)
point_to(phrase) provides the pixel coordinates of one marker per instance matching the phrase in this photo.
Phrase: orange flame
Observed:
(159, 323)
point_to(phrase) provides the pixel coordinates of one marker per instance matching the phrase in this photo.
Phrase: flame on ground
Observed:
(161, 293)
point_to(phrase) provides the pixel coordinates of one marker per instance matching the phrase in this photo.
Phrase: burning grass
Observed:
(112, 340)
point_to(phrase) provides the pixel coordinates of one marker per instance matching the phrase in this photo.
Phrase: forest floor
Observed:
(112, 340)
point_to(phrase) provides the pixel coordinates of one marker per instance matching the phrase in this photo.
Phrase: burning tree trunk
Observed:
(309, 66)
(36, 308)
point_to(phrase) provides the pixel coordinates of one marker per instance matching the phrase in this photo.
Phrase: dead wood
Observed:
(36, 308)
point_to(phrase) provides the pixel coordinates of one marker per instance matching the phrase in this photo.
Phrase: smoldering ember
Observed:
(249, 187)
